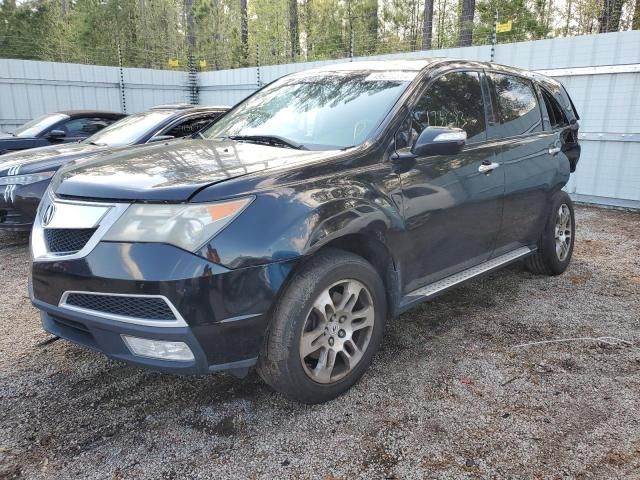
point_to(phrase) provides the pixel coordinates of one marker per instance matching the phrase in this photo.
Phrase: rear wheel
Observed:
(555, 247)
(325, 329)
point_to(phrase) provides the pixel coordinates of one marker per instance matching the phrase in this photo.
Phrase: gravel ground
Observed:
(450, 395)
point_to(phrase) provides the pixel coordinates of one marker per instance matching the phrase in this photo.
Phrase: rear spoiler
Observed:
(573, 107)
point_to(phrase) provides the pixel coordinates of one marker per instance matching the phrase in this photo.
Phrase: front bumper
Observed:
(18, 205)
(225, 311)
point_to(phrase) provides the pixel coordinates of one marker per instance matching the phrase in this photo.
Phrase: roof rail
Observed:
(173, 106)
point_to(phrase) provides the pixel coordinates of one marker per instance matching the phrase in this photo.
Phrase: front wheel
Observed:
(325, 329)
(555, 247)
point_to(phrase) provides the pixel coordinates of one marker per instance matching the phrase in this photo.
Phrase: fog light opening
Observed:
(160, 349)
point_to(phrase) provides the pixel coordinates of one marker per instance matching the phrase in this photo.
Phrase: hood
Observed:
(174, 171)
(45, 158)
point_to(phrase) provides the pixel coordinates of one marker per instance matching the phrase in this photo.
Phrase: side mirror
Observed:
(160, 138)
(439, 141)
(56, 134)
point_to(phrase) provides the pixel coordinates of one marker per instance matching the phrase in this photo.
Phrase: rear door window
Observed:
(452, 100)
(557, 118)
(516, 106)
(191, 125)
(83, 127)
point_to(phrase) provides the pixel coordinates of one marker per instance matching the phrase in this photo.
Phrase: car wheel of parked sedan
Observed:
(555, 248)
(325, 329)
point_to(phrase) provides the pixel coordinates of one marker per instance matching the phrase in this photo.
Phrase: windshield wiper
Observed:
(98, 144)
(273, 140)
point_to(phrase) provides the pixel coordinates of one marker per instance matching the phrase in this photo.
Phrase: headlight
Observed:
(187, 226)
(25, 179)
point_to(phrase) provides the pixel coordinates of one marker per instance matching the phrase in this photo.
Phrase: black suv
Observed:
(315, 209)
(56, 128)
(25, 175)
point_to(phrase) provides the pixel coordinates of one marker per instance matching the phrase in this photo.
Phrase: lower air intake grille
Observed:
(145, 308)
(67, 240)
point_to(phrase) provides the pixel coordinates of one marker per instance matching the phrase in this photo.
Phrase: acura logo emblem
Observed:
(47, 214)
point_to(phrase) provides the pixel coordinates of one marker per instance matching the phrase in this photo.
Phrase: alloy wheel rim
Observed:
(337, 331)
(563, 232)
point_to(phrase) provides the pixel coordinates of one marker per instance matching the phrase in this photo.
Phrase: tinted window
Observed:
(557, 118)
(131, 129)
(516, 106)
(83, 127)
(191, 126)
(452, 100)
(320, 111)
(38, 125)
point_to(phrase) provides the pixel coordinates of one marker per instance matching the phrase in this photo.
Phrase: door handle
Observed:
(488, 167)
(554, 150)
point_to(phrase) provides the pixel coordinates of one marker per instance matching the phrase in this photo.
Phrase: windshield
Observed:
(129, 130)
(322, 111)
(38, 125)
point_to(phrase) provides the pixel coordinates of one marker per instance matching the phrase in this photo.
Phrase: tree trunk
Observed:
(244, 32)
(350, 39)
(307, 27)
(610, 15)
(466, 22)
(636, 17)
(371, 20)
(216, 32)
(427, 25)
(415, 9)
(191, 26)
(293, 29)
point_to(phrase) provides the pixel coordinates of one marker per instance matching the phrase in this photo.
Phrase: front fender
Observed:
(293, 222)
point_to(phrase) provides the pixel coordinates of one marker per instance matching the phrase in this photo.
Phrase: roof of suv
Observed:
(89, 113)
(411, 65)
(185, 106)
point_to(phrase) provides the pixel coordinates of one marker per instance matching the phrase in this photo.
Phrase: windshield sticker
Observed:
(395, 76)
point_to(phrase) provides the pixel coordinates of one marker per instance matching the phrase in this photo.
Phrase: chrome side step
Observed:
(429, 291)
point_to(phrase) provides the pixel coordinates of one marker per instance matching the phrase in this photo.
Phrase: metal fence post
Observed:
(192, 81)
(258, 69)
(494, 37)
(123, 97)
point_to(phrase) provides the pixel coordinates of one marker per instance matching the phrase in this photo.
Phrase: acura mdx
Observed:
(318, 207)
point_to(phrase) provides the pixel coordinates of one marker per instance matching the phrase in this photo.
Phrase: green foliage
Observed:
(154, 33)
(19, 24)
(527, 24)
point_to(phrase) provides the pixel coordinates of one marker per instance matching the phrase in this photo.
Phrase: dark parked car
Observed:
(57, 128)
(24, 176)
(316, 208)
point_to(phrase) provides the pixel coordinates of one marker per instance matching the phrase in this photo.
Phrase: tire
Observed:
(551, 259)
(298, 312)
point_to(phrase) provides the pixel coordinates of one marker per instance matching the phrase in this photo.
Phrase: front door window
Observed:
(452, 100)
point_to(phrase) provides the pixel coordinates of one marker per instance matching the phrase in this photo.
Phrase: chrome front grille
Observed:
(67, 240)
(148, 308)
(68, 229)
(155, 310)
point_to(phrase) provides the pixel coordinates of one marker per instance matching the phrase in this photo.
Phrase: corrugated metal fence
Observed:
(601, 72)
(29, 89)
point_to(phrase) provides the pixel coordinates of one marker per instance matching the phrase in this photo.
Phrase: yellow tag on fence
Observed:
(504, 27)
